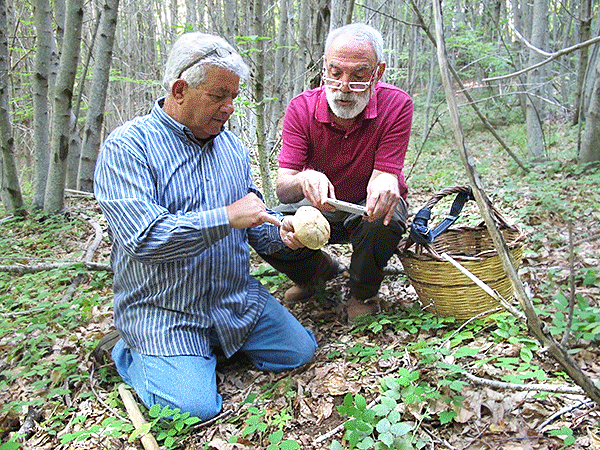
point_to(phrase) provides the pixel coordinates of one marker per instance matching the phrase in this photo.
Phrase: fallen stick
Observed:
(136, 417)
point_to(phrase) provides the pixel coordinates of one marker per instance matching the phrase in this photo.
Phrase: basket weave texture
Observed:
(442, 289)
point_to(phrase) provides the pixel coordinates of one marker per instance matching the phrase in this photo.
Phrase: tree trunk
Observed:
(258, 83)
(349, 12)
(590, 150)
(303, 48)
(585, 20)
(281, 79)
(534, 107)
(590, 74)
(10, 190)
(41, 123)
(61, 120)
(521, 21)
(74, 154)
(92, 131)
(190, 15)
(338, 14)
(432, 86)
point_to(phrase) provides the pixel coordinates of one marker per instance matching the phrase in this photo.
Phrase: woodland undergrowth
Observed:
(404, 379)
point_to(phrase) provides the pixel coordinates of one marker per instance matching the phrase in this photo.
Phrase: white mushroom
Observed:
(311, 227)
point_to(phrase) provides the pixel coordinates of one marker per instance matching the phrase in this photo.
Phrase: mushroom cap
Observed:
(311, 227)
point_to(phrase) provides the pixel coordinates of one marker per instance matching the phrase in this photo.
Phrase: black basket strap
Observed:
(420, 232)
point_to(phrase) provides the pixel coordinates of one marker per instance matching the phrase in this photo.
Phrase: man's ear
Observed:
(178, 89)
(380, 70)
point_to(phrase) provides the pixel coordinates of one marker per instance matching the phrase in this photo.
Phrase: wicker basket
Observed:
(442, 289)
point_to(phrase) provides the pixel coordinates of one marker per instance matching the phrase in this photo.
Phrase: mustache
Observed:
(344, 96)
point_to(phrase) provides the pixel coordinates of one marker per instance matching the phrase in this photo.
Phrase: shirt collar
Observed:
(180, 130)
(323, 114)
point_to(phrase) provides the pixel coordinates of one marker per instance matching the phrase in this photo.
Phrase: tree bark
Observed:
(338, 14)
(258, 83)
(590, 150)
(303, 47)
(10, 190)
(534, 107)
(585, 20)
(41, 115)
(63, 94)
(92, 131)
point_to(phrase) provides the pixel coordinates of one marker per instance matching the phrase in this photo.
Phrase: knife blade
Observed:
(347, 207)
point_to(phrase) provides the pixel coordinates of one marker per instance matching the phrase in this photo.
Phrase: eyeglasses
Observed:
(354, 86)
(221, 52)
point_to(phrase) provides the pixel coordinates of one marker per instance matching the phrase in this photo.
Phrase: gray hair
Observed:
(361, 32)
(193, 52)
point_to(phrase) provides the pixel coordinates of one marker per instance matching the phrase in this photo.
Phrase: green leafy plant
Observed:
(412, 320)
(585, 324)
(10, 445)
(170, 425)
(270, 278)
(268, 432)
(566, 432)
(110, 426)
(380, 426)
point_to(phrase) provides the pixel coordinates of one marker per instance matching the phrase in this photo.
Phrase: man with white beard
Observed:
(347, 140)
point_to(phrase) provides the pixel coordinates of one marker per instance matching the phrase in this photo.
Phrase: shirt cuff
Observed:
(214, 224)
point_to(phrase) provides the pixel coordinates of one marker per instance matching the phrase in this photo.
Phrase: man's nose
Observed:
(345, 87)
(228, 106)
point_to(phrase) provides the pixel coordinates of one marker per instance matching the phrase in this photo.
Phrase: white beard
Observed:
(360, 100)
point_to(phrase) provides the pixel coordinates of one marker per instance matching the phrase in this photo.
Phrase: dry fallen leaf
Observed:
(594, 439)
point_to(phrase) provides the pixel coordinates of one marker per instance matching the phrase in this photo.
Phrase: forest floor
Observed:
(405, 379)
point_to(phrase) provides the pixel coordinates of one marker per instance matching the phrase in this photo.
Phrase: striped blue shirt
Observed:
(180, 271)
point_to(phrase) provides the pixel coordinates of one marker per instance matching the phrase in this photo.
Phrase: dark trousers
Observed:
(373, 244)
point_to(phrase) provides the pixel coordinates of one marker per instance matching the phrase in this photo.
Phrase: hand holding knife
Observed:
(347, 207)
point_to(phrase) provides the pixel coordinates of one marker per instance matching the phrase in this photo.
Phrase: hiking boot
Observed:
(102, 352)
(356, 308)
(327, 269)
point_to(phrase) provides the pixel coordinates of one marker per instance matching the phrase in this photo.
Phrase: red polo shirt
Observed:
(377, 139)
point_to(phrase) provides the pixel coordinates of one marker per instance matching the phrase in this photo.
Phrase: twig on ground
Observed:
(114, 412)
(136, 417)
(478, 437)
(594, 237)
(23, 269)
(437, 439)
(99, 234)
(554, 388)
(562, 411)
(475, 317)
(22, 313)
(76, 193)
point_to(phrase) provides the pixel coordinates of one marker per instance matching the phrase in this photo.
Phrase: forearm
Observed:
(289, 187)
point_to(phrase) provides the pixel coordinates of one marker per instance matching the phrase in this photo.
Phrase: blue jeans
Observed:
(278, 343)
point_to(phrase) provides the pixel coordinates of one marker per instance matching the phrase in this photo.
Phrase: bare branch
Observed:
(552, 57)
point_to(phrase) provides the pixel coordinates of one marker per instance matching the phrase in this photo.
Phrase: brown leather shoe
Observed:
(356, 308)
(102, 352)
(327, 269)
(299, 292)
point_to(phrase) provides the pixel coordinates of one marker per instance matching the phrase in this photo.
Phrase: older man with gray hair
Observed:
(347, 140)
(182, 210)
